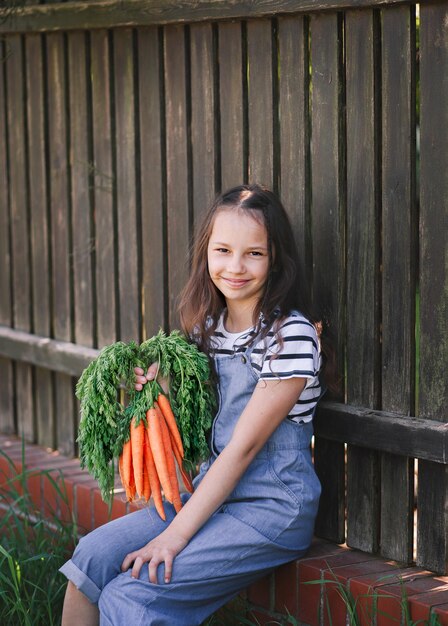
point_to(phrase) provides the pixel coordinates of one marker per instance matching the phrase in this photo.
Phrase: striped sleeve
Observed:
(298, 357)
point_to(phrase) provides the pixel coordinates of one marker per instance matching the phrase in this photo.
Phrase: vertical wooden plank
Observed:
(82, 235)
(398, 261)
(103, 190)
(433, 385)
(20, 235)
(294, 123)
(126, 170)
(398, 208)
(362, 272)
(153, 186)
(40, 261)
(432, 516)
(60, 231)
(231, 105)
(433, 210)
(7, 422)
(203, 119)
(328, 240)
(260, 102)
(178, 189)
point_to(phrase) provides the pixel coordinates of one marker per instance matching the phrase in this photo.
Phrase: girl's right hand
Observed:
(141, 378)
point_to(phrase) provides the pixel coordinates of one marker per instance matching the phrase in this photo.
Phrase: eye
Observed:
(256, 253)
(222, 250)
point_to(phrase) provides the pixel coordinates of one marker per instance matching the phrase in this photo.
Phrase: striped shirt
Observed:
(299, 357)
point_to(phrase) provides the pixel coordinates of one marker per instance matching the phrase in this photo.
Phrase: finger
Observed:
(141, 379)
(135, 573)
(127, 561)
(139, 371)
(152, 567)
(151, 373)
(168, 569)
(138, 387)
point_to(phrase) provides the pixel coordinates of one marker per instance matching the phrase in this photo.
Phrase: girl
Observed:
(256, 497)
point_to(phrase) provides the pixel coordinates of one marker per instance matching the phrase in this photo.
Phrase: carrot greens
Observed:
(108, 400)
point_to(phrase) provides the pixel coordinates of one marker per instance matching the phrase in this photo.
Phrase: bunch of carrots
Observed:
(147, 463)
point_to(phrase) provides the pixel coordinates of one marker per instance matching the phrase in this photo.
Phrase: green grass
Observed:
(364, 609)
(31, 551)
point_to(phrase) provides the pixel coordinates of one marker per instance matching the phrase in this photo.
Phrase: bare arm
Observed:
(270, 403)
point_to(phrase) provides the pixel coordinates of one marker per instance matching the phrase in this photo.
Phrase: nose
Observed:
(235, 264)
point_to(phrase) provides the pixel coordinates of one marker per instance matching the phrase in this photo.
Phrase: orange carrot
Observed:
(185, 476)
(158, 451)
(171, 465)
(126, 470)
(153, 478)
(146, 484)
(168, 414)
(137, 439)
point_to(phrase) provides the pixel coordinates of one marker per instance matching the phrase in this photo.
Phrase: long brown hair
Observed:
(201, 303)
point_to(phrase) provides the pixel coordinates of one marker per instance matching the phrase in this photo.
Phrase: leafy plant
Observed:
(358, 614)
(32, 550)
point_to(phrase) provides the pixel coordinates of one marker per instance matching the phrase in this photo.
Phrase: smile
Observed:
(234, 282)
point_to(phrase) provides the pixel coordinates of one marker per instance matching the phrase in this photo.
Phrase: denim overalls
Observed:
(267, 520)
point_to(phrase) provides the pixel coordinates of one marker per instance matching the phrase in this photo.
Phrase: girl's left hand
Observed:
(162, 549)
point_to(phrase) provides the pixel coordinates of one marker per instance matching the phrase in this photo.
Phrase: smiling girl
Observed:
(255, 498)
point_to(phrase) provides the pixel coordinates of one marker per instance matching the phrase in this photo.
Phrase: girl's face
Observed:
(238, 257)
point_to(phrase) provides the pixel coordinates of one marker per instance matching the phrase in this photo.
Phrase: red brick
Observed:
(34, 486)
(420, 604)
(423, 582)
(54, 478)
(389, 609)
(101, 513)
(390, 593)
(442, 613)
(59, 497)
(312, 600)
(119, 507)
(259, 593)
(360, 579)
(286, 588)
(8, 471)
(334, 612)
(67, 508)
(83, 504)
(71, 482)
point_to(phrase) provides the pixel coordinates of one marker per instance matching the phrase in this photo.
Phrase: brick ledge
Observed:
(290, 591)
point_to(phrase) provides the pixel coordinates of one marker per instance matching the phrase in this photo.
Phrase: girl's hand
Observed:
(162, 549)
(141, 378)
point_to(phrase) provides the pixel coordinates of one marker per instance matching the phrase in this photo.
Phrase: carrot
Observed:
(146, 484)
(168, 414)
(137, 439)
(153, 478)
(158, 451)
(171, 465)
(126, 471)
(185, 476)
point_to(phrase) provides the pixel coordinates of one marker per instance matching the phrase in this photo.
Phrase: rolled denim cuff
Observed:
(81, 581)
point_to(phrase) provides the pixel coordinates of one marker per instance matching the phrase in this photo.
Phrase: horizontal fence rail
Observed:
(119, 122)
(97, 14)
(378, 430)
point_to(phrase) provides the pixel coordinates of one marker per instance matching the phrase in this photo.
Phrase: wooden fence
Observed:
(119, 121)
